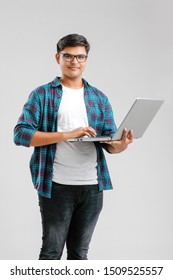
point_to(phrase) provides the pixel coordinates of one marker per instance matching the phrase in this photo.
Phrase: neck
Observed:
(71, 83)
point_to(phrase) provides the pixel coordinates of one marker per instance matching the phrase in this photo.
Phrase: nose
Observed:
(74, 60)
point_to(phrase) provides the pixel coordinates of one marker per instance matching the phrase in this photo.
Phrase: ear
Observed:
(57, 57)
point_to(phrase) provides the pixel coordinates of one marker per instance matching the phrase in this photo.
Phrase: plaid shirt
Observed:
(40, 114)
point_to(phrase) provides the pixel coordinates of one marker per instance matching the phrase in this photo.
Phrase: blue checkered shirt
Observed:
(40, 114)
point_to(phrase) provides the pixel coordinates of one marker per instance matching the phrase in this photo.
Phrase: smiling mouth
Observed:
(74, 67)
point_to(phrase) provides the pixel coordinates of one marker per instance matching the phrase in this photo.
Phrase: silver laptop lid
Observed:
(139, 117)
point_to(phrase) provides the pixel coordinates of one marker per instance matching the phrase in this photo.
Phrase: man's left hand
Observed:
(119, 146)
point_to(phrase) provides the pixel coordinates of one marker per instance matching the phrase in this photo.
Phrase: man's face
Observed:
(72, 69)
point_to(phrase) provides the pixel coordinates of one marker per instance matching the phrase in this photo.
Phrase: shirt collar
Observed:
(56, 82)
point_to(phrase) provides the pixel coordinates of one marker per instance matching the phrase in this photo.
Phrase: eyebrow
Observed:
(75, 54)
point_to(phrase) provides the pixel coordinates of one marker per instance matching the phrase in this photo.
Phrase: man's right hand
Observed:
(80, 132)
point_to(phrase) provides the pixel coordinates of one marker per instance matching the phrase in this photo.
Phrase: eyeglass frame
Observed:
(74, 56)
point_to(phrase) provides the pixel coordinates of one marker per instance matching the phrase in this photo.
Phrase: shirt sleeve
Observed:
(109, 127)
(29, 121)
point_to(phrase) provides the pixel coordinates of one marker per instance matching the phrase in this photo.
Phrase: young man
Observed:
(69, 177)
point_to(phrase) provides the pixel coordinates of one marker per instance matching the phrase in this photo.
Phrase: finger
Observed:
(84, 131)
(124, 136)
(91, 131)
(87, 132)
(130, 135)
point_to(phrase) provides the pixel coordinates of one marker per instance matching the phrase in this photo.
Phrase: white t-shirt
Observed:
(75, 163)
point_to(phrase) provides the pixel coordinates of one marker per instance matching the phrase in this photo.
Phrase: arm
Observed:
(26, 132)
(40, 138)
(29, 121)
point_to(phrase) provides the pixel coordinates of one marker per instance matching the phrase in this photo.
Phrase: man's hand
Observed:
(80, 132)
(120, 145)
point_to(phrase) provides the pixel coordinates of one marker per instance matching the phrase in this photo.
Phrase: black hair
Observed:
(72, 40)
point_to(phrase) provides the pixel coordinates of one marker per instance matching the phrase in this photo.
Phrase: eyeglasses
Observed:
(70, 57)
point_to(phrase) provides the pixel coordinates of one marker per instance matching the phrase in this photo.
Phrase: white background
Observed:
(131, 56)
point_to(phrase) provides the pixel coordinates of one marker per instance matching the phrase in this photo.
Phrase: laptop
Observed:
(138, 119)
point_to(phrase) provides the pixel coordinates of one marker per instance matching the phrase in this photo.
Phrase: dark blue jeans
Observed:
(70, 217)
